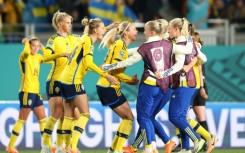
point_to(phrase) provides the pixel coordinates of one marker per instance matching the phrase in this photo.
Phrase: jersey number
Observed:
(72, 55)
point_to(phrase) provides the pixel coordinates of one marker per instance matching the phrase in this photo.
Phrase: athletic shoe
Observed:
(147, 152)
(177, 148)
(211, 143)
(115, 151)
(198, 145)
(128, 149)
(110, 150)
(45, 149)
(10, 150)
(170, 146)
(184, 151)
(60, 151)
(155, 150)
(69, 150)
(205, 147)
(53, 149)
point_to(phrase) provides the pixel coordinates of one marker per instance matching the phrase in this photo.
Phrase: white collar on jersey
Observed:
(180, 39)
(153, 38)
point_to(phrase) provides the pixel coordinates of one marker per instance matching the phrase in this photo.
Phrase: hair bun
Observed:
(85, 21)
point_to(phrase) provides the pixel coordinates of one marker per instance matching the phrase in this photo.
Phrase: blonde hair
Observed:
(182, 24)
(155, 26)
(164, 26)
(32, 38)
(90, 25)
(110, 36)
(59, 17)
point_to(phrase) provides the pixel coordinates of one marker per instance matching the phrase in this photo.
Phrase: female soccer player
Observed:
(61, 42)
(111, 95)
(156, 54)
(29, 96)
(81, 60)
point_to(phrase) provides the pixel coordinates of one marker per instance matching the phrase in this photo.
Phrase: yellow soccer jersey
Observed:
(58, 44)
(197, 77)
(30, 68)
(80, 60)
(117, 52)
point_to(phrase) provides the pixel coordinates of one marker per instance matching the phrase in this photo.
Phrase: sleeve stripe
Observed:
(117, 59)
(50, 49)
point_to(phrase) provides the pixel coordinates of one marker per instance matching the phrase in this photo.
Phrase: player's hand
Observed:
(113, 25)
(134, 80)
(112, 79)
(186, 68)
(158, 75)
(24, 40)
(65, 55)
(203, 93)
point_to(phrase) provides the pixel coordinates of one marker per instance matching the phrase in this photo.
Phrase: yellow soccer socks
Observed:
(123, 133)
(67, 124)
(15, 132)
(78, 129)
(48, 130)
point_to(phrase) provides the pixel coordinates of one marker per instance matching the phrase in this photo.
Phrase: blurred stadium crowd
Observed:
(14, 12)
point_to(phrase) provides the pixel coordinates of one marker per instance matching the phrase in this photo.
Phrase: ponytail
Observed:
(164, 27)
(185, 27)
(109, 38)
(90, 25)
(84, 22)
(191, 29)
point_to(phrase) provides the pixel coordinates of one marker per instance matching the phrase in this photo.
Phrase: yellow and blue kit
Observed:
(79, 62)
(30, 67)
(111, 95)
(58, 44)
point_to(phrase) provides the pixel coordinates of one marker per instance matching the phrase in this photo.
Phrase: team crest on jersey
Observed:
(57, 89)
(50, 43)
(157, 54)
(121, 53)
(29, 102)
